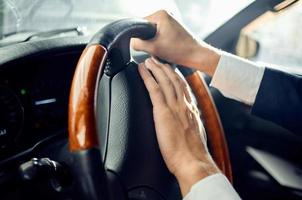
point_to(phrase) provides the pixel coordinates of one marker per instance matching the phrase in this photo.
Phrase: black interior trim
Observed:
(225, 37)
(25, 50)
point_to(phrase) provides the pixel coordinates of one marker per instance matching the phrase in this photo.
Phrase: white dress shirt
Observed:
(238, 79)
(213, 187)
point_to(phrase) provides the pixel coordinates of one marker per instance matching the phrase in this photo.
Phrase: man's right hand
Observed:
(175, 44)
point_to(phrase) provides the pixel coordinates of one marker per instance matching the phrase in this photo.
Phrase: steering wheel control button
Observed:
(144, 193)
(114, 63)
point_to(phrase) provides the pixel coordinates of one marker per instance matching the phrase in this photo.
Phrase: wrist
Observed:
(194, 171)
(206, 58)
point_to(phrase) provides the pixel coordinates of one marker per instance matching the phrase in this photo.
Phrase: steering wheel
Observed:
(111, 129)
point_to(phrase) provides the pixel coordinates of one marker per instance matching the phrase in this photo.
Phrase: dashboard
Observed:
(35, 79)
(34, 100)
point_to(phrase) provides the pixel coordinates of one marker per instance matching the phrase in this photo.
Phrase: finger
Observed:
(141, 45)
(163, 80)
(156, 95)
(181, 86)
(184, 89)
(196, 122)
(174, 77)
(187, 92)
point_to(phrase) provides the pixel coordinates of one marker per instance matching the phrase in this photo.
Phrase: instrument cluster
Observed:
(34, 101)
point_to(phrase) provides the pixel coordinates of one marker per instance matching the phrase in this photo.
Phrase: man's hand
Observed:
(179, 131)
(175, 44)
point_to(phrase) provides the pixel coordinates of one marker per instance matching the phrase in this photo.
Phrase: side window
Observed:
(274, 38)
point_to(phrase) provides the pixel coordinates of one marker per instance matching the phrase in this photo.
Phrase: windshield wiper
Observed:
(80, 31)
(43, 34)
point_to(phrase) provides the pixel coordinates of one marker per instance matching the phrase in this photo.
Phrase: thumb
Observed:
(141, 45)
(137, 44)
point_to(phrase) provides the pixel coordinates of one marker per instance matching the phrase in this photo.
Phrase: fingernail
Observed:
(148, 62)
(142, 66)
(155, 60)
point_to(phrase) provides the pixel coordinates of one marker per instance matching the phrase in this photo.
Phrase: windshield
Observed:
(200, 16)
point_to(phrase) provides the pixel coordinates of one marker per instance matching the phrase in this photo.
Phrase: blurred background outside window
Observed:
(273, 37)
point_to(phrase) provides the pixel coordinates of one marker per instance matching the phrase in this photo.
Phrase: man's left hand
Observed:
(179, 131)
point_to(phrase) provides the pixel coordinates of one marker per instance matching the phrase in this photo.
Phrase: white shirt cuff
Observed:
(237, 78)
(212, 187)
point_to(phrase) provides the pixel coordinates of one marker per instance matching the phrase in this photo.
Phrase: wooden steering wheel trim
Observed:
(217, 142)
(81, 120)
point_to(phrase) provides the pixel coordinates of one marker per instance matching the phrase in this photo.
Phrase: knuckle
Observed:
(149, 80)
(177, 80)
(196, 110)
(152, 49)
(167, 65)
(184, 86)
(156, 90)
(163, 14)
(163, 109)
(183, 108)
(181, 80)
(187, 127)
(169, 83)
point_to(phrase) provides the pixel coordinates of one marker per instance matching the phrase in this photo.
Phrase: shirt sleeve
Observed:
(237, 78)
(212, 187)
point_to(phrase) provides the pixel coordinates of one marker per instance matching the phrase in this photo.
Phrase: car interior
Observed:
(43, 113)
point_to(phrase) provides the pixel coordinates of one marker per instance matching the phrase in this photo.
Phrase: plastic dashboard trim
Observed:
(14, 53)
